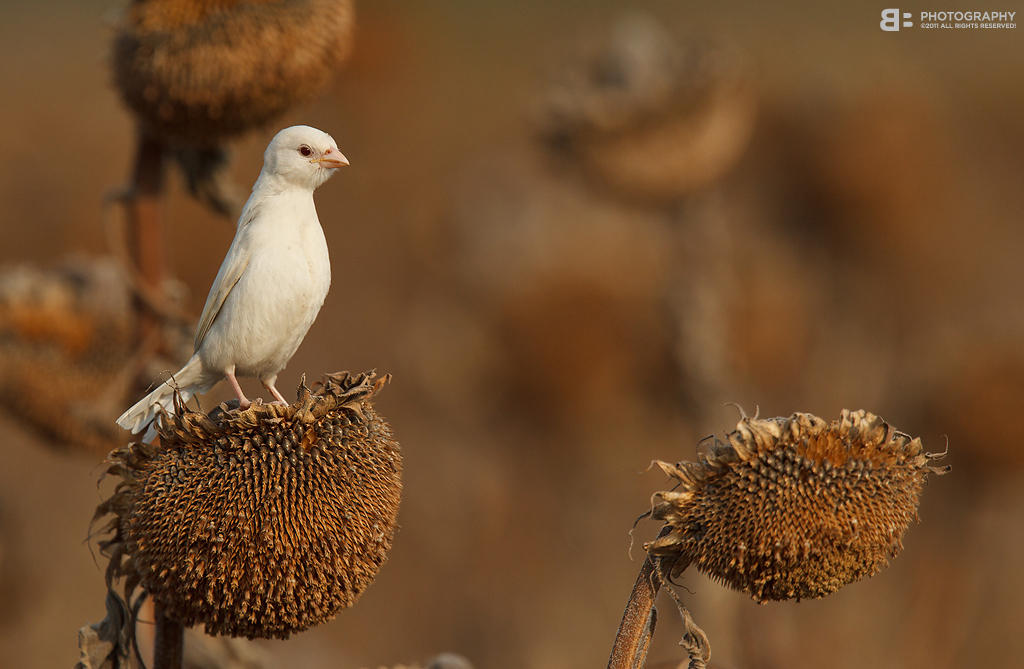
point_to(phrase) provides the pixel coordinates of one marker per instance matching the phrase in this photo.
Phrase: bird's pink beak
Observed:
(333, 158)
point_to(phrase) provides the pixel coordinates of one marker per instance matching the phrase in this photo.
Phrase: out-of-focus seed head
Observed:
(792, 508)
(199, 71)
(262, 522)
(652, 116)
(66, 343)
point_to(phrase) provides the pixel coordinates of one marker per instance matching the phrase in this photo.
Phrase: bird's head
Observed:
(302, 156)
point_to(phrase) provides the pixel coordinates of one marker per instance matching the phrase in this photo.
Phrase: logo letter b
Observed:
(890, 20)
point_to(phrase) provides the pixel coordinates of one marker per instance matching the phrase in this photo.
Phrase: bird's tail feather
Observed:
(189, 381)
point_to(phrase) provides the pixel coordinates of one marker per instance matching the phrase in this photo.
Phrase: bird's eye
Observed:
(305, 151)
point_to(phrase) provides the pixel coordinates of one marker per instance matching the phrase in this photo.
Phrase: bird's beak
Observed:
(333, 158)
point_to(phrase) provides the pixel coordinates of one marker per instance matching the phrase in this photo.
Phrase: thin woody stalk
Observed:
(169, 644)
(638, 620)
(146, 245)
(145, 233)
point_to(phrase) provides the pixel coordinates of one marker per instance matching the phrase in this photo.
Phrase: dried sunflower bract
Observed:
(263, 522)
(792, 508)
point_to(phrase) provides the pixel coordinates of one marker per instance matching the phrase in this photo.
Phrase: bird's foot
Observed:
(278, 397)
(243, 401)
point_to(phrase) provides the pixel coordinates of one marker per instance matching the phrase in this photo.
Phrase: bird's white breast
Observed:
(286, 278)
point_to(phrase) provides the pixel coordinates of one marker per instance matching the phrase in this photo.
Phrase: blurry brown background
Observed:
(548, 338)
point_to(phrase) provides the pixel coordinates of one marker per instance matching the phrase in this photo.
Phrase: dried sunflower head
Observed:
(263, 522)
(792, 508)
(649, 115)
(198, 71)
(73, 322)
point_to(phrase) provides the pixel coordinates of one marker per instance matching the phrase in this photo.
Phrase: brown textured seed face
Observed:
(652, 115)
(73, 321)
(199, 72)
(264, 522)
(792, 508)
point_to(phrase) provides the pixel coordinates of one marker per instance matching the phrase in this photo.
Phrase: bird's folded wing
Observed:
(231, 270)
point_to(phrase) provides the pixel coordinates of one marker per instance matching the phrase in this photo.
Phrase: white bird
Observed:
(271, 284)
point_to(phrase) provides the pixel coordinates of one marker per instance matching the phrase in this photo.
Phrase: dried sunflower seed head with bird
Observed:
(258, 523)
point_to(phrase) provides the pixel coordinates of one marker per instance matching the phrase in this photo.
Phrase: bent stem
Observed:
(169, 644)
(638, 620)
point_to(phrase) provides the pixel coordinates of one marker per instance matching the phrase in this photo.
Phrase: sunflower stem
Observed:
(145, 232)
(169, 645)
(638, 620)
